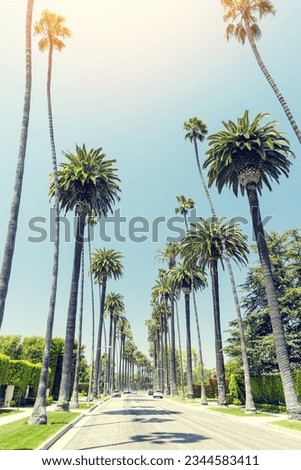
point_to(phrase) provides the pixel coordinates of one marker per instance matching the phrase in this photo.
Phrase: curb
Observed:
(49, 442)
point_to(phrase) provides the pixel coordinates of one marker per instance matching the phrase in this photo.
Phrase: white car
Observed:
(116, 394)
(157, 394)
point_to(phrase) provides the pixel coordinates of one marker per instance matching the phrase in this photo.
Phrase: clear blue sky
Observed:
(129, 77)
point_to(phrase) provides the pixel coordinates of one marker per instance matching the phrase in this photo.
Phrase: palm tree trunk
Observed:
(220, 367)
(271, 82)
(99, 336)
(190, 393)
(15, 205)
(108, 384)
(165, 359)
(180, 353)
(173, 369)
(63, 401)
(93, 324)
(114, 353)
(74, 398)
(293, 406)
(203, 390)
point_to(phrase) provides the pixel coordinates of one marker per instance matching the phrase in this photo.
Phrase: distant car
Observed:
(158, 394)
(116, 394)
(127, 392)
(150, 391)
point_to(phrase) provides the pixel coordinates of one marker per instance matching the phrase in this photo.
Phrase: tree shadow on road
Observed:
(155, 439)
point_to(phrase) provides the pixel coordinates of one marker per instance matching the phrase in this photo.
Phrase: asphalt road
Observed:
(139, 422)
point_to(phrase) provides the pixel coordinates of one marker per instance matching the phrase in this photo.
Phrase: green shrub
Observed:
(4, 367)
(19, 373)
(236, 389)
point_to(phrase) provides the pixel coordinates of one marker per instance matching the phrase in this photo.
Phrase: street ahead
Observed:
(139, 422)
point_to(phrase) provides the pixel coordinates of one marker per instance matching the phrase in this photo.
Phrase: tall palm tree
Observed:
(9, 247)
(50, 26)
(185, 205)
(105, 264)
(247, 155)
(196, 128)
(114, 307)
(87, 184)
(207, 243)
(187, 278)
(169, 254)
(242, 16)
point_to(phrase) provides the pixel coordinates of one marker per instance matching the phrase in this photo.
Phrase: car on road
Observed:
(150, 391)
(157, 394)
(116, 394)
(127, 392)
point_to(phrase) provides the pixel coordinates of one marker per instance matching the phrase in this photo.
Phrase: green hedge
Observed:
(266, 389)
(34, 379)
(4, 367)
(19, 374)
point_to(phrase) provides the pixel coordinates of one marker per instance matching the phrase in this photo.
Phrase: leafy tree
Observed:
(247, 156)
(284, 252)
(11, 346)
(242, 16)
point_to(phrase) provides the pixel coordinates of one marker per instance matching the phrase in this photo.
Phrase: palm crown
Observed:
(210, 239)
(106, 263)
(114, 304)
(51, 28)
(88, 181)
(243, 12)
(247, 153)
(196, 129)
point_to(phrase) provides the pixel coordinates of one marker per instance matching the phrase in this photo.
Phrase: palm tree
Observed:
(105, 264)
(207, 243)
(185, 205)
(196, 128)
(87, 184)
(246, 156)
(15, 204)
(114, 307)
(187, 278)
(169, 254)
(50, 26)
(243, 23)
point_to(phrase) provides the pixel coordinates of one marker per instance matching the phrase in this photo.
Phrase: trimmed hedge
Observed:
(266, 389)
(4, 367)
(19, 374)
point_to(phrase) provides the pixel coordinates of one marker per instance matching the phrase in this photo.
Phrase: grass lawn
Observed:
(5, 412)
(237, 412)
(21, 436)
(287, 423)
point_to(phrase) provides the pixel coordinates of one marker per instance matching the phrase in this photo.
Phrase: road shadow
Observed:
(156, 439)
